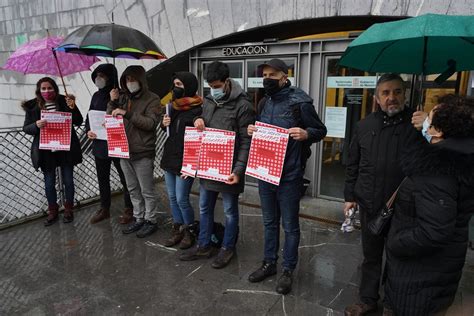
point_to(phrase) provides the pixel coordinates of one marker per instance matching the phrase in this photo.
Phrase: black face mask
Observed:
(271, 86)
(178, 92)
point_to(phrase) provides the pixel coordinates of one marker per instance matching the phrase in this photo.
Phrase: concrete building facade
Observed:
(175, 25)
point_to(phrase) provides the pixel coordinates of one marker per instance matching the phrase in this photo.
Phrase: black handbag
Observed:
(380, 223)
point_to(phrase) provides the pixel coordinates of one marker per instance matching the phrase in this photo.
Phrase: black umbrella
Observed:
(111, 40)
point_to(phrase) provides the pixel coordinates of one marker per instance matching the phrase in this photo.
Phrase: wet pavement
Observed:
(83, 269)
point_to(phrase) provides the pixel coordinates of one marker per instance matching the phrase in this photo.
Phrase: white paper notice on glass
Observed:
(97, 123)
(335, 121)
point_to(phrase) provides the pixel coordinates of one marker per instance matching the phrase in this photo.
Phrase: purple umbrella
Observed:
(38, 57)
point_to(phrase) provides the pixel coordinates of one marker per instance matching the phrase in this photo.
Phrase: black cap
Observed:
(275, 63)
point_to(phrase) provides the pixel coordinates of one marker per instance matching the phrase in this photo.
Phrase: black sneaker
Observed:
(147, 229)
(284, 282)
(197, 252)
(266, 270)
(133, 227)
(223, 258)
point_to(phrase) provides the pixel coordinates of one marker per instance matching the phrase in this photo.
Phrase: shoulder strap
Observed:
(394, 195)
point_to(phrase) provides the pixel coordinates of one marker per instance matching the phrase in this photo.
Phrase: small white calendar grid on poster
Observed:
(267, 153)
(191, 150)
(117, 142)
(56, 134)
(216, 154)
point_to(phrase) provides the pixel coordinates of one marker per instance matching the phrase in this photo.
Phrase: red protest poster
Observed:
(56, 135)
(192, 146)
(216, 155)
(267, 153)
(117, 141)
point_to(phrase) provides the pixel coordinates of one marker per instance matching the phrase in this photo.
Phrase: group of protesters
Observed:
(425, 160)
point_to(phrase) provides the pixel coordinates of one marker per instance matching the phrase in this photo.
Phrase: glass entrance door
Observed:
(348, 98)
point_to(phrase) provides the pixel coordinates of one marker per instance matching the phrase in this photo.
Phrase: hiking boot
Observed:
(196, 253)
(147, 229)
(68, 215)
(188, 238)
(126, 217)
(359, 309)
(266, 270)
(284, 282)
(133, 227)
(100, 215)
(176, 236)
(223, 258)
(52, 215)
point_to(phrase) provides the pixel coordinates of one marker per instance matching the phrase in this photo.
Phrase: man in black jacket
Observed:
(282, 203)
(105, 78)
(373, 173)
(227, 107)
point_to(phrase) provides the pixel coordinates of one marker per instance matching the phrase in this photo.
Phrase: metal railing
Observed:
(22, 193)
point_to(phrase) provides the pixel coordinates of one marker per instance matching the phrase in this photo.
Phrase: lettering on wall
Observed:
(245, 50)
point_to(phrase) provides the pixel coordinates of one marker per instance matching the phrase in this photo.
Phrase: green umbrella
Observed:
(427, 44)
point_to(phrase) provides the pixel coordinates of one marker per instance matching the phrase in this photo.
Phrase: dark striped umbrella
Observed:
(111, 40)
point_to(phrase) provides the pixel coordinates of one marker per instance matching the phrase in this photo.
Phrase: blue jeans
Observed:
(50, 184)
(207, 203)
(281, 201)
(178, 194)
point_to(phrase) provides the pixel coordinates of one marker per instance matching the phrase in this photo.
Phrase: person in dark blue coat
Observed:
(291, 108)
(105, 78)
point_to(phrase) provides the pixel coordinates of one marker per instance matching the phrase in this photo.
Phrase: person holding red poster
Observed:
(140, 110)
(184, 107)
(49, 99)
(227, 108)
(290, 108)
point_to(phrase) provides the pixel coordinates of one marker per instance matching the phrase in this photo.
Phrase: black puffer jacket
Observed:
(373, 170)
(427, 241)
(46, 159)
(99, 102)
(233, 114)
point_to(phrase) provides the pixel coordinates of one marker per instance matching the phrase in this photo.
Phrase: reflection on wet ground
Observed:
(84, 269)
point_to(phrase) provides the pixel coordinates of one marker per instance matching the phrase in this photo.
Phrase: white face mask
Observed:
(100, 82)
(133, 86)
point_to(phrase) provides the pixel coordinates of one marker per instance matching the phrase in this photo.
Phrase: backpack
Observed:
(296, 112)
(217, 236)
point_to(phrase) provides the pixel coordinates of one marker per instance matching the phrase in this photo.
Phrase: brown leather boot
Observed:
(176, 236)
(188, 238)
(68, 215)
(52, 214)
(100, 215)
(126, 217)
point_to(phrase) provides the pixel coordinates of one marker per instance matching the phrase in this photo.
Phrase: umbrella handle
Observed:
(60, 72)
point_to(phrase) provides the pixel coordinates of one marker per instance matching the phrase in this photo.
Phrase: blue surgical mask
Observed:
(424, 130)
(217, 93)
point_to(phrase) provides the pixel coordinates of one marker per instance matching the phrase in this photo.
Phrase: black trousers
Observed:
(372, 248)
(103, 176)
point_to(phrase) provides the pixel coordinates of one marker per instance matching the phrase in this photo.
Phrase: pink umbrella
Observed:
(38, 57)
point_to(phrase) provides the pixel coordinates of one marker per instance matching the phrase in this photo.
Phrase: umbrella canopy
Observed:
(428, 44)
(37, 57)
(111, 40)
